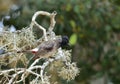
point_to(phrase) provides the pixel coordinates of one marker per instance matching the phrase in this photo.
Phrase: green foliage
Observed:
(73, 39)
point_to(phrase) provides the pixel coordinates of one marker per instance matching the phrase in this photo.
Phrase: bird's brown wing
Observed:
(45, 50)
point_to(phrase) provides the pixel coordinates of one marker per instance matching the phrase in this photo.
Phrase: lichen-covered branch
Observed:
(17, 48)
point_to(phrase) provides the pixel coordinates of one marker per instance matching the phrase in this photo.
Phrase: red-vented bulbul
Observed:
(49, 48)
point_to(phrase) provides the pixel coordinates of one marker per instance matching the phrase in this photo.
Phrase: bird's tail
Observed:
(24, 51)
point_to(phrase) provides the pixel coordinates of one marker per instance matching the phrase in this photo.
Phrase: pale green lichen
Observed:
(16, 40)
(70, 72)
(67, 55)
(38, 81)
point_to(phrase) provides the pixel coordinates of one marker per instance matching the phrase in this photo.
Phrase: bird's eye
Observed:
(48, 34)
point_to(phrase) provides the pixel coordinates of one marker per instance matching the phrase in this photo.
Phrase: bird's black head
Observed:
(65, 41)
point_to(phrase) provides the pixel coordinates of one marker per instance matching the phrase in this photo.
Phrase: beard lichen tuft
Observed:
(70, 72)
(38, 81)
(17, 40)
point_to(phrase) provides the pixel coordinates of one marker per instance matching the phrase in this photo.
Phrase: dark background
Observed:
(93, 27)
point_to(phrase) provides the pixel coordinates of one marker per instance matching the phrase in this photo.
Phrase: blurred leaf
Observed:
(72, 23)
(118, 43)
(68, 7)
(77, 9)
(108, 27)
(73, 39)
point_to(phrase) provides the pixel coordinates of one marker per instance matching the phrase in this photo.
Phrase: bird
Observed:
(49, 48)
